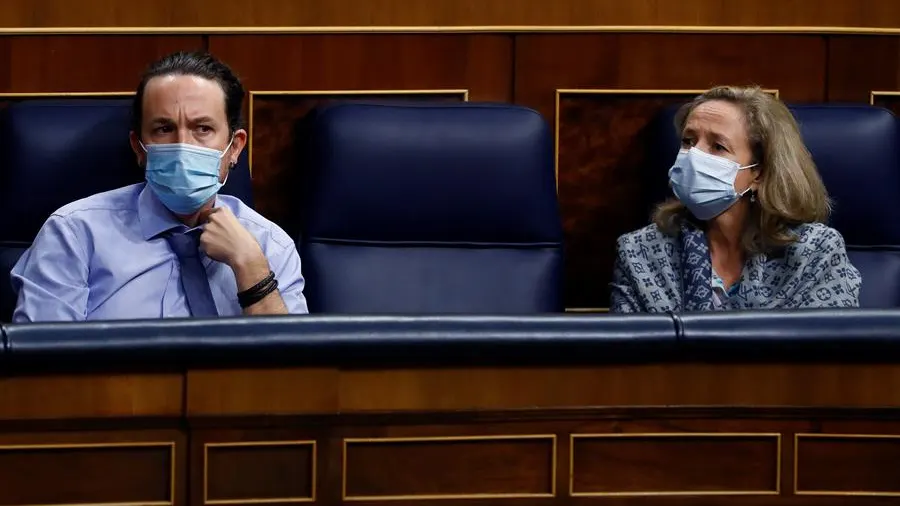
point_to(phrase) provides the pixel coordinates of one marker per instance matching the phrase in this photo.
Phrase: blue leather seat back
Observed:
(855, 148)
(53, 152)
(431, 208)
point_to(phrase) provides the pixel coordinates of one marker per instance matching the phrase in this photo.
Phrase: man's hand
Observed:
(225, 240)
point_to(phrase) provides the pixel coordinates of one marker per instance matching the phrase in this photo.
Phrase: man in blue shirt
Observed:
(169, 247)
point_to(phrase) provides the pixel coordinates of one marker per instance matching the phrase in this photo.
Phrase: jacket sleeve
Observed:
(824, 276)
(623, 296)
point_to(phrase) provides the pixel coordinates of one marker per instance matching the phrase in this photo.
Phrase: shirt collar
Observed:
(154, 217)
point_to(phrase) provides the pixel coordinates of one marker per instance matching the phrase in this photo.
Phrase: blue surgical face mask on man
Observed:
(704, 183)
(183, 176)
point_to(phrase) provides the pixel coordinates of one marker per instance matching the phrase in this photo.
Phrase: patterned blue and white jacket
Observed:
(658, 273)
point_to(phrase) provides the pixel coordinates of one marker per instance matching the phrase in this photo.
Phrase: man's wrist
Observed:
(250, 270)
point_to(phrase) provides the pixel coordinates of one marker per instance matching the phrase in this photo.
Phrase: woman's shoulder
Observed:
(818, 237)
(649, 246)
(651, 234)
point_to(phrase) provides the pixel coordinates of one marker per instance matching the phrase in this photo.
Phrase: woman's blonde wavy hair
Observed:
(790, 190)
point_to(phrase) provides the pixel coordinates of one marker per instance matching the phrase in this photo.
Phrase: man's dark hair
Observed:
(198, 64)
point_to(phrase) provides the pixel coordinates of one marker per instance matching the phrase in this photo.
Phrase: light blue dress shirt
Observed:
(105, 258)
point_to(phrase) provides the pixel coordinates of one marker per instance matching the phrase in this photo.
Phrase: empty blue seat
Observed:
(431, 208)
(856, 150)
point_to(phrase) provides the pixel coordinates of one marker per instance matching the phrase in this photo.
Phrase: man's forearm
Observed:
(249, 274)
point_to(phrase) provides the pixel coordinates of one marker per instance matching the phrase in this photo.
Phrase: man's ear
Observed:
(237, 145)
(139, 153)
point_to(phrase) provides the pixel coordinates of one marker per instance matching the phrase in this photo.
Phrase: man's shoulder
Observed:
(120, 199)
(261, 227)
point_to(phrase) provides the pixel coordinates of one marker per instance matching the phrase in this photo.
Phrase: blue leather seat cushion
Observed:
(431, 280)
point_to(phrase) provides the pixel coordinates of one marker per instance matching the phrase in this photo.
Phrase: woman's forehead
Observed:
(717, 117)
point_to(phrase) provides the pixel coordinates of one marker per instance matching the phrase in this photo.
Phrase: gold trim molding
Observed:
(447, 439)
(88, 446)
(838, 493)
(464, 93)
(69, 94)
(259, 444)
(874, 94)
(404, 29)
(676, 435)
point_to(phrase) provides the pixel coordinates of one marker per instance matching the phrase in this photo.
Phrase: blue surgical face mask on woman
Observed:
(704, 183)
(183, 176)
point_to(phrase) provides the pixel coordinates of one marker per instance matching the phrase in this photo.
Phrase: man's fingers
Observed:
(204, 215)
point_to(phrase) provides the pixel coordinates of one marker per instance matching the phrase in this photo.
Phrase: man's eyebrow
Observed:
(168, 121)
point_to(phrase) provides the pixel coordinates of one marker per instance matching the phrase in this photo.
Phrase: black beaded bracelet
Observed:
(258, 291)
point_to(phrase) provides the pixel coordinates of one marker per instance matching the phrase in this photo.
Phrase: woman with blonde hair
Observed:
(746, 229)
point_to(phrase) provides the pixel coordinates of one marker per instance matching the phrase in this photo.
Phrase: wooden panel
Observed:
(267, 471)
(479, 63)
(449, 467)
(602, 189)
(270, 391)
(414, 415)
(90, 396)
(231, 13)
(859, 65)
(275, 160)
(304, 392)
(82, 63)
(416, 437)
(675, 464)
(89, 473)
(847, 464)
(647, 385)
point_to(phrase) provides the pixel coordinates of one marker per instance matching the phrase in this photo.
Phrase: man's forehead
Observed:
(194, 96)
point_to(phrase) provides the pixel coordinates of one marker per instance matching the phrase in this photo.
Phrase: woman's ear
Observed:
(757, 175)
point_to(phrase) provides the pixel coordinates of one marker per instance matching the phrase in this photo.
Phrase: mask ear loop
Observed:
(231, 164)
(225, 151)
(749, 189)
